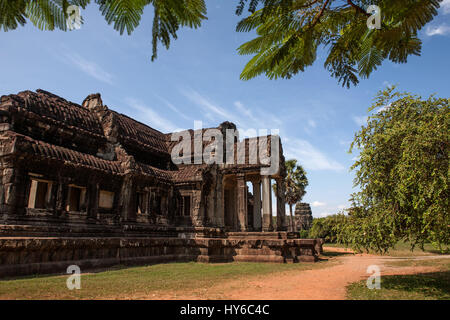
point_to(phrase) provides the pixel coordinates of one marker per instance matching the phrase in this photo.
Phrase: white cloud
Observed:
(345, 142)
(241, 115)
(173, 108)
(308, 156)
(240, 106)
(360, 120)
(445, 6)
(245, 118)
(442, 30)
(89, 67)
(322, 209)
(213, 111)
(325, 214)
(384, 107)
(250, 120)
(312, 123)
(153, 119)
(318, 204)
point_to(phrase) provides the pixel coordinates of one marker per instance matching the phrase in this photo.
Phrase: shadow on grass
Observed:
(335, 253)
(432, 284)
(421, 286)
(447, 252)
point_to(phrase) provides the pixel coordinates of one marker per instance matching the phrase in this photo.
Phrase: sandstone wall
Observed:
(23, 256)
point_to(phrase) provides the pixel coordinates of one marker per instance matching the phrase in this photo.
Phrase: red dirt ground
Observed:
(328, 283)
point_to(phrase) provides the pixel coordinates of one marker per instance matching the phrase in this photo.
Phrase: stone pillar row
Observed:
(266, 223)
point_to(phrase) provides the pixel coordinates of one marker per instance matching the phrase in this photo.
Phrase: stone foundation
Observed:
(41, 255)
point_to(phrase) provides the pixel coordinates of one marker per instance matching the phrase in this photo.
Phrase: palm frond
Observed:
(12, 14)
(124, 14)
(44, 14)
(170, 15)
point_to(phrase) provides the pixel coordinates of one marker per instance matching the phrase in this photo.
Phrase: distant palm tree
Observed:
(295, 184)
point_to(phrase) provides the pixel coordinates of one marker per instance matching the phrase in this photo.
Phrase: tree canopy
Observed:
(328, 227)
(169, 15)
(288, 32)
(403, 174)
(296, 182)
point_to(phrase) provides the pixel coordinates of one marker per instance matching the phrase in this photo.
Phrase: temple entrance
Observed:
(230, 209)
(230, 203)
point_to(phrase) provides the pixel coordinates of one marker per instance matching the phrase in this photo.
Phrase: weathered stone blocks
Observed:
(22, 256)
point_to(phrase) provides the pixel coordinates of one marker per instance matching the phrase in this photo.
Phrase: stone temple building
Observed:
(83, 184)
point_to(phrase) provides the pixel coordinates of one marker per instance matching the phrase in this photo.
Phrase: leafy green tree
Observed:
(289, 32)
(402, 173)
(295, 184)
(328, 227)
(304, 234)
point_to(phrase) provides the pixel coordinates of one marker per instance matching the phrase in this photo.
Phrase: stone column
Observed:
(92, 200)
(13, 198)
(61, 196)
(146, 201)
(126, 201)
(266, 204)
(220, 217)
(241, 202)
(257, 219)
(211, 209)
(281, 205)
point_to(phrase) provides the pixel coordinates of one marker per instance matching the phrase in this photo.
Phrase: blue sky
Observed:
(198, 79)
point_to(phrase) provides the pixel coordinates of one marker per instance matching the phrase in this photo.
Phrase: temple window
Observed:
(106, 199)
(140, 201)
(76, 198)
(40, 193)
(157, 204)
(186, 205)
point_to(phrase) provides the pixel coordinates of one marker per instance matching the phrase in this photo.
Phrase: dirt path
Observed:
(325, 284)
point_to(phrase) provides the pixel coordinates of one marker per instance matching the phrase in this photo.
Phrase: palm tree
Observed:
(295, 184)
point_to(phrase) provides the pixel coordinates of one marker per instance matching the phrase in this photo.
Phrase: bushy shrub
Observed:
(304, 234)
(328, 228)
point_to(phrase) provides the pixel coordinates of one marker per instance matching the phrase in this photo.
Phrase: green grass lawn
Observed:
(146, 280)
(401, 249)
(422, 286)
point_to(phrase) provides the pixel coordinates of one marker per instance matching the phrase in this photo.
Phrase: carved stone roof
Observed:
(52, 107)
(135, 132)
(85, 125)
(188, 173)
(26, 145)
(154, 172)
